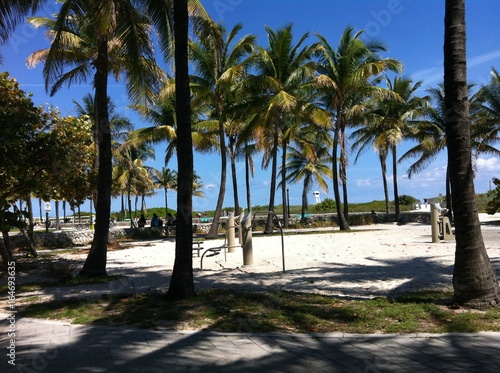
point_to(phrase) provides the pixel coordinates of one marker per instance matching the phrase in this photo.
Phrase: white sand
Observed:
(378, 260)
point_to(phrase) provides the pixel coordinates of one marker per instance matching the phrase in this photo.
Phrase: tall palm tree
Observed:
(348, 76)
(163, 15)
(220, 64)
(390, 120)
(430, 133)
(486, 114)
(474, 280)
(131, 173)
(310, 163)
(165, 179)
(119, 124)
(284, 73)
(181, 282)
(91, 39)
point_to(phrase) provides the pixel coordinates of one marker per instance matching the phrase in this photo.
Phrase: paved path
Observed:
(49, 346)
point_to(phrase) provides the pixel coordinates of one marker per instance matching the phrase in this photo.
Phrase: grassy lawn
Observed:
(233, 311)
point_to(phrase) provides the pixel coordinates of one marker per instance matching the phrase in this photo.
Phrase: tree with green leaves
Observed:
(474, 281)
(90, 40)
(309, 163)
(283, 85)
(165, 179)
(348, 77)
(220, 63)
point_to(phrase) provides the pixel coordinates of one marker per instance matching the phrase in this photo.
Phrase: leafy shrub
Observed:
(407, 200)
(494, 205)
(328, 204)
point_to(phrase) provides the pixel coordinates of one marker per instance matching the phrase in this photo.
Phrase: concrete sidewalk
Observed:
(49, 346)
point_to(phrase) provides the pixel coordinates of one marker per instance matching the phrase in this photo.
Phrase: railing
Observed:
(275, 218)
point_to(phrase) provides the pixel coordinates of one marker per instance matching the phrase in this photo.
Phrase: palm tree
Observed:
(348, 74)
(165, 179)
(474, 280)
(164, 15)
(486, 116)
(131, 173)
(181, 282)
(309, 162)
(99, 37)
(430, 133)
(119, 124)
(219, 67)
(283, 82)
(390, 120)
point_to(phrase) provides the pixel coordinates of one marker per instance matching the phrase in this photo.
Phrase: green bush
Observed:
(407, 200)
(328, 204)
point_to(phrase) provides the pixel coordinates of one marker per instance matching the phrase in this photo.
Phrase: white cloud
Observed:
(483, 58)
(488, 164)
(367, 182)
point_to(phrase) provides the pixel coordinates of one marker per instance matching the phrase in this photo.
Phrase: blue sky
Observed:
(412, 31)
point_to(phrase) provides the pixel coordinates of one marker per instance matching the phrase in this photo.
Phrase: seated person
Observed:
(170, 219)
(142, 221)
(155, 222)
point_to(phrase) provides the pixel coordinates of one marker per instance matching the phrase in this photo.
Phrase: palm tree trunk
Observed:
(283, 186)
(343, 171)
(214, 228)
(395, 183)
(235, 181)
(247, 181)
(166, 201)
(272, 191)
(474, 280)
(95, 264)
(341, 220)
(383, 166)
(182, 283)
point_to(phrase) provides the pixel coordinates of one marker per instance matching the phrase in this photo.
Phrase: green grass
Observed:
(32, 286)
(232, 311)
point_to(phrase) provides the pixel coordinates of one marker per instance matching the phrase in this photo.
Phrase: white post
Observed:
(231, 241)
(247, 239)
(434, 223)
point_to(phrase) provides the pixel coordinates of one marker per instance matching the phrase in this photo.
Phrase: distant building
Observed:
(317, 196)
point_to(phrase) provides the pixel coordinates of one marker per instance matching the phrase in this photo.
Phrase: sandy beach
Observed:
(369, 261)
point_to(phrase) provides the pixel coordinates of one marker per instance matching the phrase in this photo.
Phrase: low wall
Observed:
(82, 238)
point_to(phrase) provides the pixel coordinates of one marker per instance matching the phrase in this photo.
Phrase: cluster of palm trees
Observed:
(288, 100)
(299, 102)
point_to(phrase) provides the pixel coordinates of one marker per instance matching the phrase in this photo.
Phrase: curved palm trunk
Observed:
(343, 171)
(307, 183)
(95, 264)
(272, 192)
(235, 181)
(383, 166)
(343, 225)
(283, 187)
(474, 280)
(395, 182)
(181, 283)
(214, 228)
(247, 181)
(166, 201)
